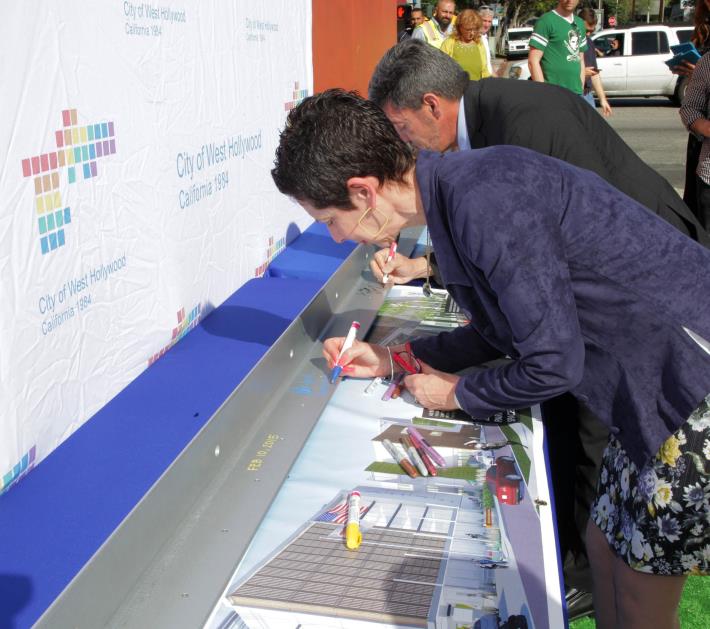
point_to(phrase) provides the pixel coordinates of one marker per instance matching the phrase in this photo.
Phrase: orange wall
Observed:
(349, 37)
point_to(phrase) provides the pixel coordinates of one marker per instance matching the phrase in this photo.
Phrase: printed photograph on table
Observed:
(418, 522)
(412, 314)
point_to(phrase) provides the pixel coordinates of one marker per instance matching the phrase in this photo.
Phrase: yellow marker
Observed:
(353, 536)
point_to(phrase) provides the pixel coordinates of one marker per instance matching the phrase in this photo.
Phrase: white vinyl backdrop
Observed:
(157, 228)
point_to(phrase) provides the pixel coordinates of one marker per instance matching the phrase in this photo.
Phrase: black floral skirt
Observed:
(658, 519)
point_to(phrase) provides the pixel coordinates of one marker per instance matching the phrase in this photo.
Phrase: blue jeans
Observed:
(589, 97)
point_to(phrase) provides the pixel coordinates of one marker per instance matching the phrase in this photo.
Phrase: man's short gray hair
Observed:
(412, 68)
(486, 12)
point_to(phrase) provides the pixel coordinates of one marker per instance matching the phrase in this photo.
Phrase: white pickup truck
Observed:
(517, 41)
(640, 69)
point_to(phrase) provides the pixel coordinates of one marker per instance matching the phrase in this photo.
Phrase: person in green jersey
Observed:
(556, 48)
(465, 47)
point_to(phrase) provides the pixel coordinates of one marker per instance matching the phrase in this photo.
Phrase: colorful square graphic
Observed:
(73, 145)
(185, 324)
(272, 250)
(20, 469)
(298, 96)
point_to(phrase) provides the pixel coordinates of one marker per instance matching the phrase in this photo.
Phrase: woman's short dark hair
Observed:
(331, 137)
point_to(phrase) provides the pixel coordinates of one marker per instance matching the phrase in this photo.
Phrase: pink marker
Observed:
(419, 441)
(390, 257)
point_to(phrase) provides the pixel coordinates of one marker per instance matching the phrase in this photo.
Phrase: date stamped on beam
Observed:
(264, 450)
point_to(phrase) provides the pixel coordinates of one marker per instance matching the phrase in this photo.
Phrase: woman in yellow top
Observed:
(465, 47)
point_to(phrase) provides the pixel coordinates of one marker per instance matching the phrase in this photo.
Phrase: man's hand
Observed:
(433, 389)
(606, 107)
(601, 95)
(401, 269)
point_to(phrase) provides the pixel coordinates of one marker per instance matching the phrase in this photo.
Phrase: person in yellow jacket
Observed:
(465, 46)
(440, 26)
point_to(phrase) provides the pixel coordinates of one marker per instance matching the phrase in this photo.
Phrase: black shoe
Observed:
(579, 604)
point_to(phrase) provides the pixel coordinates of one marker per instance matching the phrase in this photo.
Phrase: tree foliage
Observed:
(519, 11)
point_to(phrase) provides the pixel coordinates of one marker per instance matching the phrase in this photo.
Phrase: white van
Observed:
(517, 40)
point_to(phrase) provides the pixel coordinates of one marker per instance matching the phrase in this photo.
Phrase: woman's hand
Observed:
(401, 269)
(590, 71)
(362, 360)
(685, 68)
(433, 389)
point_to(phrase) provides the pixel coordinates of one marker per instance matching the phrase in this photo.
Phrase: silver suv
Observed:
(638, 68)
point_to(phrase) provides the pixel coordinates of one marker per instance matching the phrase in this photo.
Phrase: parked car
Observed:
(517, 41)
(504, 481)
(640, 69)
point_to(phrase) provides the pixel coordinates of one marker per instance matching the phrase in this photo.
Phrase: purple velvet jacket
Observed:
(584, 288)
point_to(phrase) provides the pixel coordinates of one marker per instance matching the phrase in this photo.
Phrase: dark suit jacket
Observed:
(585, 289)
(553, 121)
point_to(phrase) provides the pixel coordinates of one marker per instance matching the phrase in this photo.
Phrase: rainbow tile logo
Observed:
(185, 324)
(271, 252)
(78, 148)
(298, 96)
(20, 469)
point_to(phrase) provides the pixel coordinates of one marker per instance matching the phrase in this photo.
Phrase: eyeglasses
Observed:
(407, 360)
(368, 232)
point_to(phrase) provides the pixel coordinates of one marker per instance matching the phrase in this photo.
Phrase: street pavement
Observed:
(652, 128)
